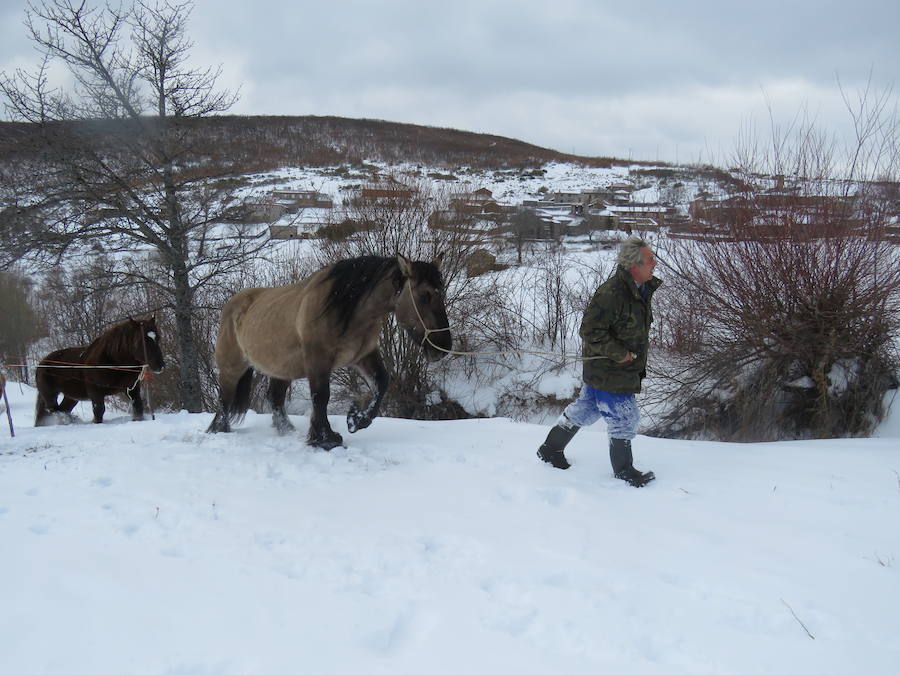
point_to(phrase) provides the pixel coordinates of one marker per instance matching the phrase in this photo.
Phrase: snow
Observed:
(444, 547)
(439, 547)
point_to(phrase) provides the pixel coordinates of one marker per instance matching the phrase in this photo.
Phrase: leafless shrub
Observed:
(784, 325)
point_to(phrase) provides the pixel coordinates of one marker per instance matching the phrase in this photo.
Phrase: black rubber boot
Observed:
(552, 449)
(623, 463)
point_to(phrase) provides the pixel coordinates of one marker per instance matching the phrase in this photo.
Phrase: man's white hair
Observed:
(630, 252)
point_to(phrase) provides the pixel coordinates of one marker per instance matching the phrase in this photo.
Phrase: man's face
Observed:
(643, 272)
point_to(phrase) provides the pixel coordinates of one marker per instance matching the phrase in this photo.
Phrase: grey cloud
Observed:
(590, 76)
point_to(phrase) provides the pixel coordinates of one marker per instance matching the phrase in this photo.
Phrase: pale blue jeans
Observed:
(619, 410)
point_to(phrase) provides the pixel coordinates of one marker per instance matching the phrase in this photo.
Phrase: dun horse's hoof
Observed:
(326, 440)
(357, 419)
(219, 424)
(282, 425)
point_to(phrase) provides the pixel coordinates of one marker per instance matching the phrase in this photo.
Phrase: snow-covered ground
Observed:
(439, 547)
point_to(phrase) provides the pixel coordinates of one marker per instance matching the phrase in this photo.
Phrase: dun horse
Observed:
(120, 352)
(331, 319)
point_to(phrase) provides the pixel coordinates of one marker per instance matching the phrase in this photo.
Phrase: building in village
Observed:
(279, 203)
(384, 192)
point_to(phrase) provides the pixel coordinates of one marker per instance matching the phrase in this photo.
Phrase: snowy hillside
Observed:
(439, 547)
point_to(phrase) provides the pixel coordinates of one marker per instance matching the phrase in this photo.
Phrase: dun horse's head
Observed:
(420, 306)
(146, 344)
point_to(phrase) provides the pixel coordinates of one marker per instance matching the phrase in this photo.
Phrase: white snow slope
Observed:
(439, 547)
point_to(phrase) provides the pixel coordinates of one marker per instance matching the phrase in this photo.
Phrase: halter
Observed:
(428, 331)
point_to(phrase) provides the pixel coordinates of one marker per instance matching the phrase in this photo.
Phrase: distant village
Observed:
(310, 214)
(558, 214)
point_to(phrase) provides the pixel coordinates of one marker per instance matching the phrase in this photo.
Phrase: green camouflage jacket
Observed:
(617, 321)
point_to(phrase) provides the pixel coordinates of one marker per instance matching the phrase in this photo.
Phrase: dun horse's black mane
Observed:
(353, 279)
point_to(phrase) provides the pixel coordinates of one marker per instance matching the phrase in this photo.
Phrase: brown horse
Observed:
(109, 365)
(331, 319)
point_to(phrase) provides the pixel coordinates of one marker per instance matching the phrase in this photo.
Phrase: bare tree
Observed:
(122, 168)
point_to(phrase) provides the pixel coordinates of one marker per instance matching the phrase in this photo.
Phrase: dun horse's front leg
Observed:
(372, 368)
(320, 431)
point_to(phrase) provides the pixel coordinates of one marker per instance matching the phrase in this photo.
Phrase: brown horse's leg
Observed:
(372, 368)
(320, 431)
(68, 404)
(98, 405)
(47, 405)
(277, 392)
(137, 404)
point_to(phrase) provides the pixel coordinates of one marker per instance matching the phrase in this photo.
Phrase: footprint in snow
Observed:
(555, 496)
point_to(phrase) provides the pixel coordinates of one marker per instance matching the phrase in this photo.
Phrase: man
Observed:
(615, 331)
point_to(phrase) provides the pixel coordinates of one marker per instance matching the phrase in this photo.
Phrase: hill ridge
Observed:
(270, 140)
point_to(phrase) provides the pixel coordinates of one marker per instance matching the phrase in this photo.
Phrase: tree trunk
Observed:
(188, 365)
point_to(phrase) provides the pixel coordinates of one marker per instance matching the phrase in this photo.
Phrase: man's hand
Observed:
(628, 357)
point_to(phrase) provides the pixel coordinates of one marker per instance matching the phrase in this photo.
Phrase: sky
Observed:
(650, 80)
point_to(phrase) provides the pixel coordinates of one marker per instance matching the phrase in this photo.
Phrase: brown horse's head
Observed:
(146, 343)
(420, 306)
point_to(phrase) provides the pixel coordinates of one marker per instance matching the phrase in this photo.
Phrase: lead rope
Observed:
(538, 352)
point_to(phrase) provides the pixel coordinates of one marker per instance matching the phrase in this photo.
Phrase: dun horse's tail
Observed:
(235, 372)
(234, 407)
(241, 402)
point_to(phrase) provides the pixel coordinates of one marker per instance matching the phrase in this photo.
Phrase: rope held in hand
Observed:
(455, 352)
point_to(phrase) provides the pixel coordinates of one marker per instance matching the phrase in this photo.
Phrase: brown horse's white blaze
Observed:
(329, 320)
